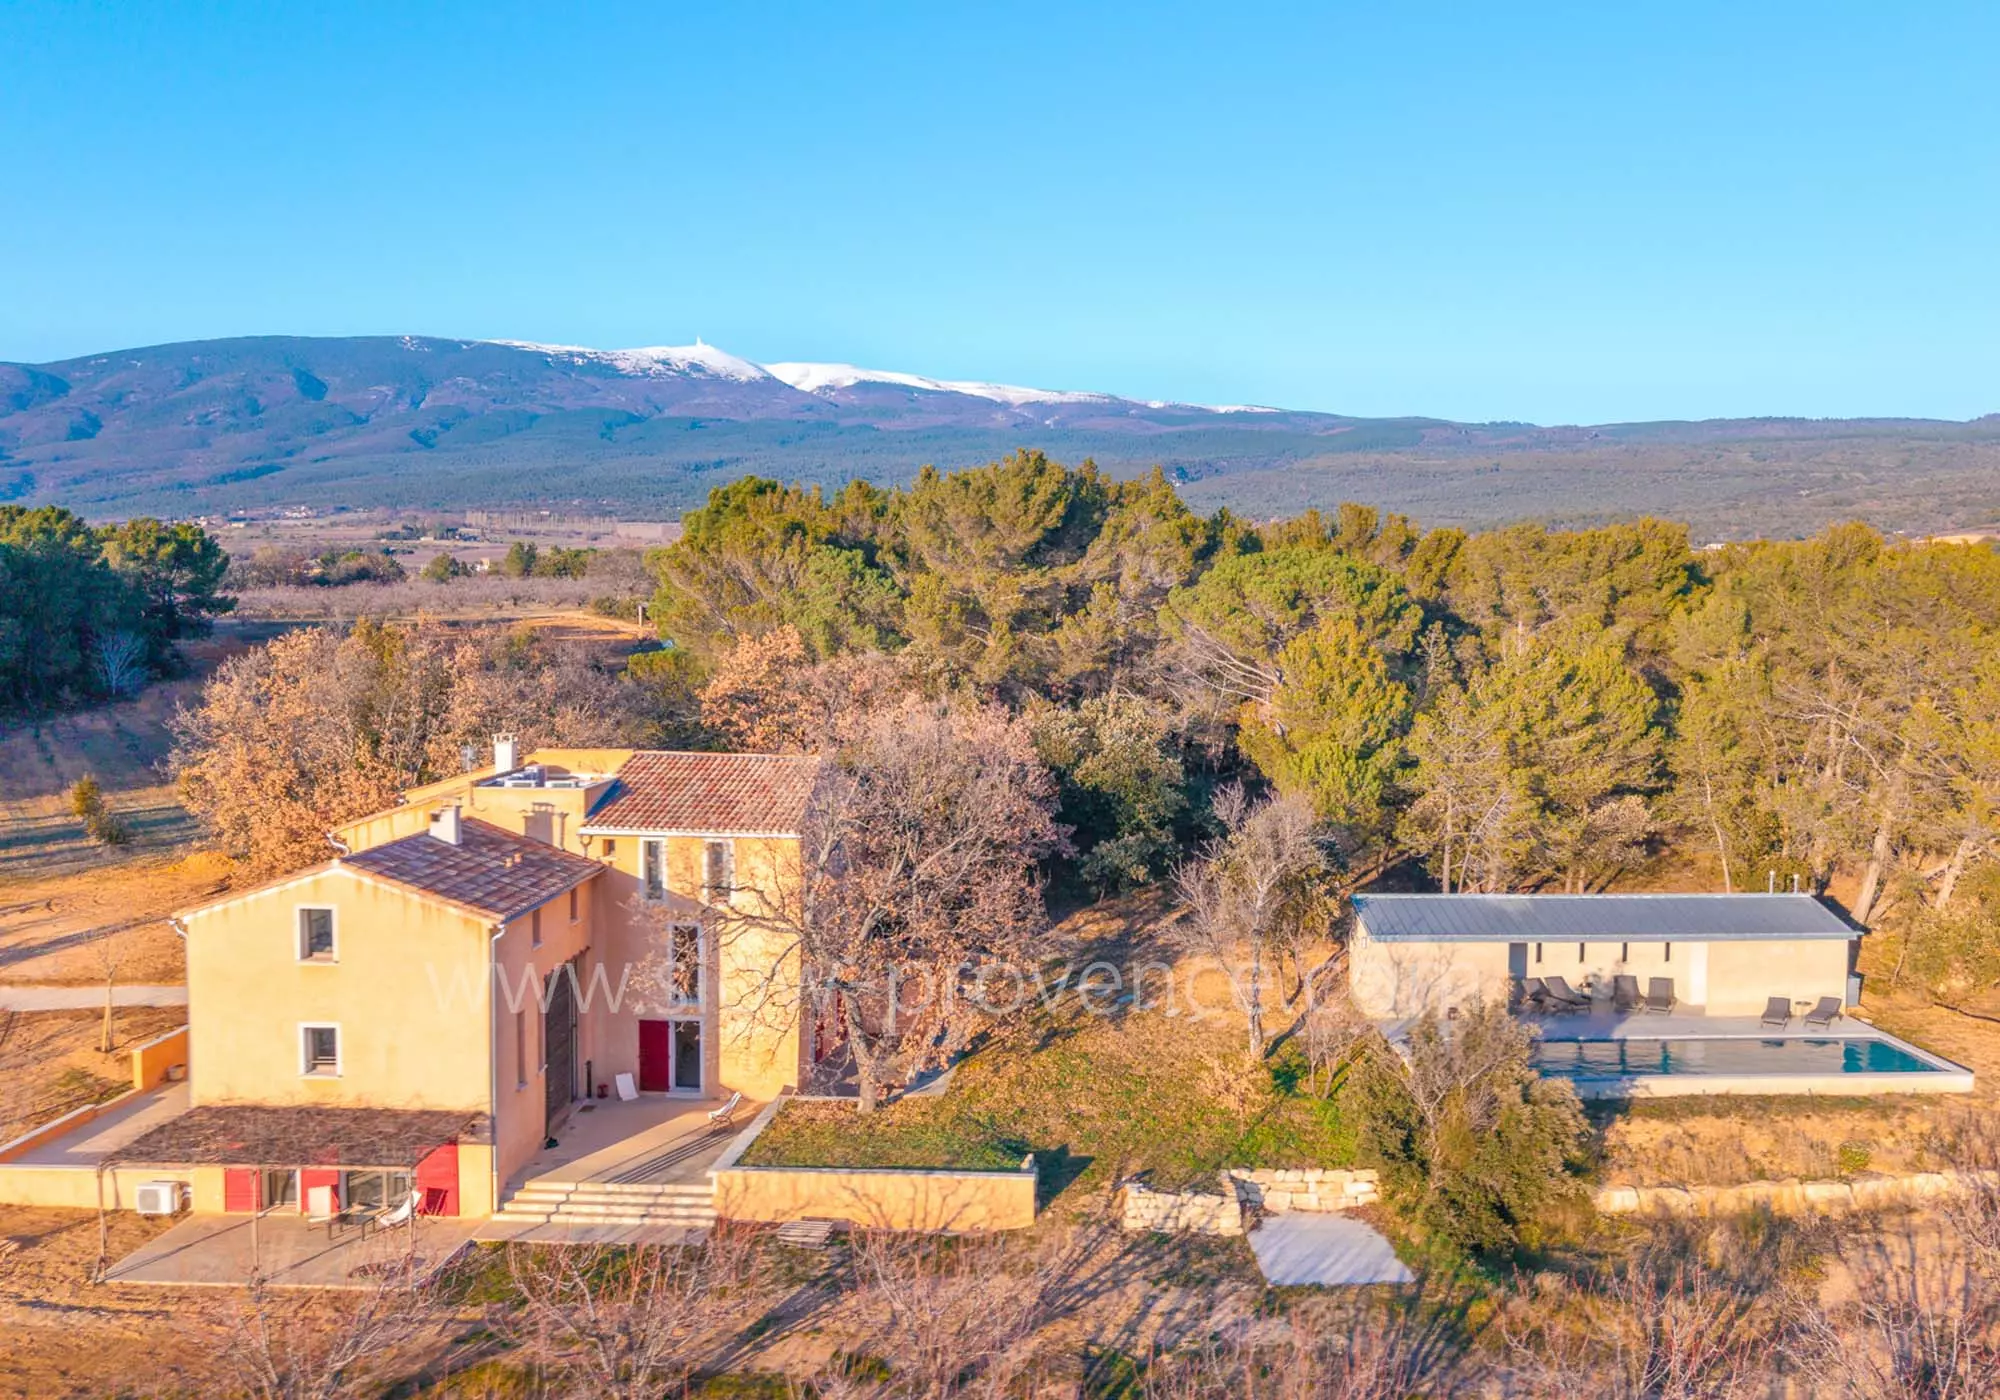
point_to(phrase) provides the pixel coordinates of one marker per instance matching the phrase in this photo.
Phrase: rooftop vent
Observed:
(506, 753)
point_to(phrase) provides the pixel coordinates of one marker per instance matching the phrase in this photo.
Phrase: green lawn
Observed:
(1094, 1099)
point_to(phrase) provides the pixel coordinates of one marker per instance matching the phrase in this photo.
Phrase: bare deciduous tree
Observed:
(119, 659)
(320, 1344)
(1663, 1329)
(628, 1320)
(1924, 1324)
(1251, 897)
(917, 871)
(1353, 1349)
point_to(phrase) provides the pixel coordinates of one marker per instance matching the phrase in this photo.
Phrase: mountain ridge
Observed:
(440, 422)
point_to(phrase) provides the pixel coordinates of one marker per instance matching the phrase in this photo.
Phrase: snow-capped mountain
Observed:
(439, 423)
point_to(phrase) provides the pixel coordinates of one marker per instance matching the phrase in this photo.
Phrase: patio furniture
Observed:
(1660, 997)
(723, 1116)
(1534, 994)
(323, 1207)
(1625, 992)
(1778, 1011)
(1564, 997)
(400, 1213)
(627, 1090)
(1824, 1014)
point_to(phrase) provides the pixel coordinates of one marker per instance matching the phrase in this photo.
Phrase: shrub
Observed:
(1476, 1150)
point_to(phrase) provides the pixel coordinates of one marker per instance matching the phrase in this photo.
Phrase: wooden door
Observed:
(656, 1056)
(559, 1047)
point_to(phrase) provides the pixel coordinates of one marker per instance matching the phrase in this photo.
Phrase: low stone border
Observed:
(1314, 1190)
(1791, 1196)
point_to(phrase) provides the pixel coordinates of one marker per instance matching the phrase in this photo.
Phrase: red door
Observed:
(240, 1190)
(656, 1055)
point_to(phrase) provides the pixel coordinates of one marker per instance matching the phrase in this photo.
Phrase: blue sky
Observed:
(1559, 213)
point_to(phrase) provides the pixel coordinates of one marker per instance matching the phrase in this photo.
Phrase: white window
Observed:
(653, 868)
(718, 871)
(684, 964)
(319, 1051)
(316, 935)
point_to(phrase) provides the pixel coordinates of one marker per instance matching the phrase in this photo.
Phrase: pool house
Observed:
(1646, 995)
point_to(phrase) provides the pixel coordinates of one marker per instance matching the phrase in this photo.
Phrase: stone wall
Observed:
(1273, 1192)
(1175, 1212)
(1312, 1189)
(1868, 1191)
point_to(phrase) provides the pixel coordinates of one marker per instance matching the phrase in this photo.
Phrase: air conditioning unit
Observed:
(160, 1197)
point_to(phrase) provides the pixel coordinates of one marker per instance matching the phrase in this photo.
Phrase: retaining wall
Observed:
(1313, 1189)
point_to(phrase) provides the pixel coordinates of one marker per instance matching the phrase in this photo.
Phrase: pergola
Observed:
(279, 1138)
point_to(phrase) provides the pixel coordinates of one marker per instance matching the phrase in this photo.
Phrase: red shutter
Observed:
(310, 1177)
(437, 1178)
(240, 1190)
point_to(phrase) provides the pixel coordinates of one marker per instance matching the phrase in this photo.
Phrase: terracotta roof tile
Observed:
(490, 871)
(724, 793)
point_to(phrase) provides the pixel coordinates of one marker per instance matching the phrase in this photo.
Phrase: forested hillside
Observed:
(1511, 709)
(92, 613)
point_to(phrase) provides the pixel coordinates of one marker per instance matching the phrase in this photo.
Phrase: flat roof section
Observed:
(1596, 918)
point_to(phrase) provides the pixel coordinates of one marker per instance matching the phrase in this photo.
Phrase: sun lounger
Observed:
(722, 1117)
(1824, 1014)
(1778, 1011)
(1564, 998)
(1625, 992)
(1660, 995)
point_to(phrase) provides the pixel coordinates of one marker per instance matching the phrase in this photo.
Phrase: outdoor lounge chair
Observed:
(722, 1117)
(1534, 994)
(1825, 1014)
(1778, 1011)
(1625, 992)
(1660, 996)
(1563, 997)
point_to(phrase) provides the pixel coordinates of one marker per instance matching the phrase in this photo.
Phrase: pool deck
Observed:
(1602, 1023)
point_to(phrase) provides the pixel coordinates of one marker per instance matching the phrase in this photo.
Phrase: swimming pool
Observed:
(1626, 1057)
(1856, 1062)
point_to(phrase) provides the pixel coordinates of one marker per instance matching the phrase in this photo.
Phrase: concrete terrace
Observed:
(651, 1140)
(286, 1251)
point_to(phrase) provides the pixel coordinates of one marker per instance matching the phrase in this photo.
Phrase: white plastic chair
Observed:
(627, 1090)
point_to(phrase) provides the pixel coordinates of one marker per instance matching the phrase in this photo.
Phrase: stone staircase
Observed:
(546, 1201)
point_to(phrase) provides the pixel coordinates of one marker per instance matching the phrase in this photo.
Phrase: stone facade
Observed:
(1273, 1192)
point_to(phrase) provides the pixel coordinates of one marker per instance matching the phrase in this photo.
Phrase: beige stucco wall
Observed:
(408, 990)
(889, 1200)
(751, 1039)
(1388, 980)
(423, 1022)
(1391, 979)
(1741, 976)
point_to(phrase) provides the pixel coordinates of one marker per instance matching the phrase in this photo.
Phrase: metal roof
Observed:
(1518, 918)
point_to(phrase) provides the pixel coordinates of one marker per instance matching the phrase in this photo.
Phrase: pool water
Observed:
(1612, 1059)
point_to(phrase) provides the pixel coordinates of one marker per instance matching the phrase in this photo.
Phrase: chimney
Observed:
(505, 757)
(444, 824)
